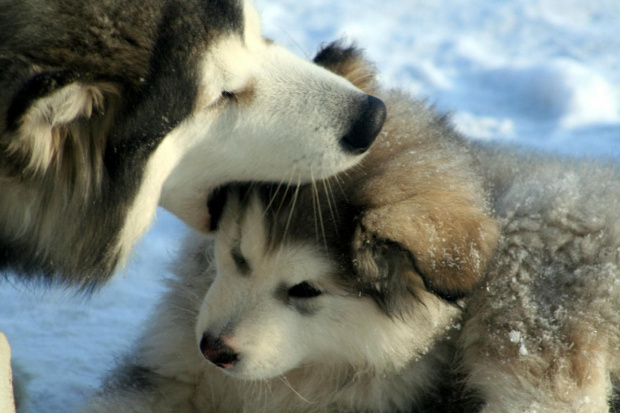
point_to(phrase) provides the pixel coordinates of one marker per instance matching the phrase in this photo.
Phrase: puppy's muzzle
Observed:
(365, 126)
(215, 350)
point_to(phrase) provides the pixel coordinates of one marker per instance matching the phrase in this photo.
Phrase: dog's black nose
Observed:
(366, 126)
(217, 352)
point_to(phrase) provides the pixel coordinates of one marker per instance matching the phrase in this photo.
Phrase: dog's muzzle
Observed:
(365, 127)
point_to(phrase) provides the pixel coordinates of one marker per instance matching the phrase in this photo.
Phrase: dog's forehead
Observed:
(245, 227)
(241, 227)
(292, 263)
(249, 229)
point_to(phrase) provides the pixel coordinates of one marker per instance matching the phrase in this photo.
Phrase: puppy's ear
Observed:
(349, 62)
(425, 220)
(443, 242)
(55, 116)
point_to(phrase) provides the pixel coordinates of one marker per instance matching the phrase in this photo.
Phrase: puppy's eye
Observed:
(303, 290)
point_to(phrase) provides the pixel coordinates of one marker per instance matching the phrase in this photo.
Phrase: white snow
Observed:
(544, 74)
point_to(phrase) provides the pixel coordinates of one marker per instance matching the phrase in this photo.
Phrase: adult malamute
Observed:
(391, 287)
(109, 108)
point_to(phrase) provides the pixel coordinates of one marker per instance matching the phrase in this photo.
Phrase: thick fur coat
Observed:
(542, 330)
(438, 276)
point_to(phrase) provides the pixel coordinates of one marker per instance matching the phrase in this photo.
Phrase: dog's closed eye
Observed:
(303, 290)
(228, 95)
(225, 96)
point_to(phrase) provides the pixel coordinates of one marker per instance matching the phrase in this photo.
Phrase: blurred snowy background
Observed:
(543, 73)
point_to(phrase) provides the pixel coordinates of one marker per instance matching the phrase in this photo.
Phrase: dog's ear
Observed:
(427, 225)
(349, 62)
(55, 116)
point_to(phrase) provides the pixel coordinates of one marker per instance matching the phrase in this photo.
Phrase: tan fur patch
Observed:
(358, 71)
(423, 193)
(418, 187)
(350, 63)
(246, 95)
(450, 239)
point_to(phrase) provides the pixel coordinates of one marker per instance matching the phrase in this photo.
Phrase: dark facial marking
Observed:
(224, 15)
(242, 264)
(215, 205)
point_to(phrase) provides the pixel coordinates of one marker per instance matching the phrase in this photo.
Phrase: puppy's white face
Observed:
(272, 309)
(262, 114)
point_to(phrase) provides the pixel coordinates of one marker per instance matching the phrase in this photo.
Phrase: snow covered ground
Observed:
(541, 73)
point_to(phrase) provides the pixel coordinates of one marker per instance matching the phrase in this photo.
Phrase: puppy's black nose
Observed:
(366, 126)
(217, 352)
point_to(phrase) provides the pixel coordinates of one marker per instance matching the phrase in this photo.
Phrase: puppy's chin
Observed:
(243, 371)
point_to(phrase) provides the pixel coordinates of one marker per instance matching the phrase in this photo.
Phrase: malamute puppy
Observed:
(109, 108)
(392, 288)
(339, 296)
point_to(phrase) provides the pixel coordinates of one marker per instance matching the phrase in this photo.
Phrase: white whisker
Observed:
(332, 204)
(286, 382)
(315, 191)
(292, 210)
